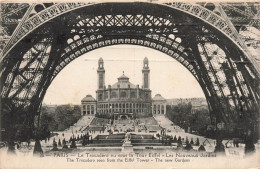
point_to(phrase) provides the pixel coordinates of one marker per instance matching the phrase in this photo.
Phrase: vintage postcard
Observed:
(129, 84)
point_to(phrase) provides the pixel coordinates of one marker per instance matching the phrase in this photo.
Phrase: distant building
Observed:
(197, 103)
(198, 107)
(88, 105)
(159, 104)
(123, 97)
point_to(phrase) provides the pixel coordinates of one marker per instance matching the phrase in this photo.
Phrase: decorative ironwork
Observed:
(61, 8)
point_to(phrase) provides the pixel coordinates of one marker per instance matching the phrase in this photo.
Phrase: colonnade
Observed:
(123, 107)
(88, 109)
(159, 108)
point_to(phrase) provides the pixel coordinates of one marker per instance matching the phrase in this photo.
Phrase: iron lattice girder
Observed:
(142, 23)
(206, 82)
(28, 71)
(61, 8)
(243, 67)
(63, 52)
(161, 43)
(247, 13)
(241, 14)
(238, 60)
(193, 9)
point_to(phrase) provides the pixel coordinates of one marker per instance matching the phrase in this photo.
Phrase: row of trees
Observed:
(60, 119)
(51, 119)
(191, 122)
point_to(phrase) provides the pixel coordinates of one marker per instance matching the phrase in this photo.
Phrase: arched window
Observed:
(133, 94)
(88, 109)
(100, 96)
(113, 95)
(123, 94)
(147, 96)
(162, 108)
(110, 108)
(92, 109)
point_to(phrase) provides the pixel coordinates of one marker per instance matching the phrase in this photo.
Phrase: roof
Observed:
(123, 77)
(123, 85)
(88, 98)
(123, 82)
(158, 97)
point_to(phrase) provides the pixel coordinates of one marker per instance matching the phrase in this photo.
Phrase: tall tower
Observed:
(146, 74)
(101, 74)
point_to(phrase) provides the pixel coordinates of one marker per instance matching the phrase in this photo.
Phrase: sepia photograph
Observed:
(129, 84)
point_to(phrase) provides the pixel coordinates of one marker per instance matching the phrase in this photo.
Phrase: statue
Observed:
(127, 137)
(127, 146)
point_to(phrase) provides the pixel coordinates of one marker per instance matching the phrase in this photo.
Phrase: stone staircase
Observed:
(166, 123)
(81, 124)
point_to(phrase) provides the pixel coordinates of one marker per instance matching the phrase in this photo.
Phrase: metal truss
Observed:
(57, 9)
(49, 40)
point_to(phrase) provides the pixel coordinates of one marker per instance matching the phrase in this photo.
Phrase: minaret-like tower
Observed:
(146, 74)
(101, 74)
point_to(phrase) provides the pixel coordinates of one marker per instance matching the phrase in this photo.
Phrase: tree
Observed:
(179, 140)
(181, 115)
(47, 119)
(59, 143)
(175, 139)
(187, 141)
(66, 116)
(84, 142)
(59, 118)
(201, 120)
(54, 145)
(201, 148)
(188, 146)
(64, 144)
(73, 144)
(197, 142)
(191, 142)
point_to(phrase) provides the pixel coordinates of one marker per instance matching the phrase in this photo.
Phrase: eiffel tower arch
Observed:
(50, 36)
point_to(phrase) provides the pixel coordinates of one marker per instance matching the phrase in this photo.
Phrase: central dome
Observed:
(88, 98)
(123, 82)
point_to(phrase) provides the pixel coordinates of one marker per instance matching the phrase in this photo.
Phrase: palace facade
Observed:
(123, 97)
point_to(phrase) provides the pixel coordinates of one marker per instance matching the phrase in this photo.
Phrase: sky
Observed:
(79, 78)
